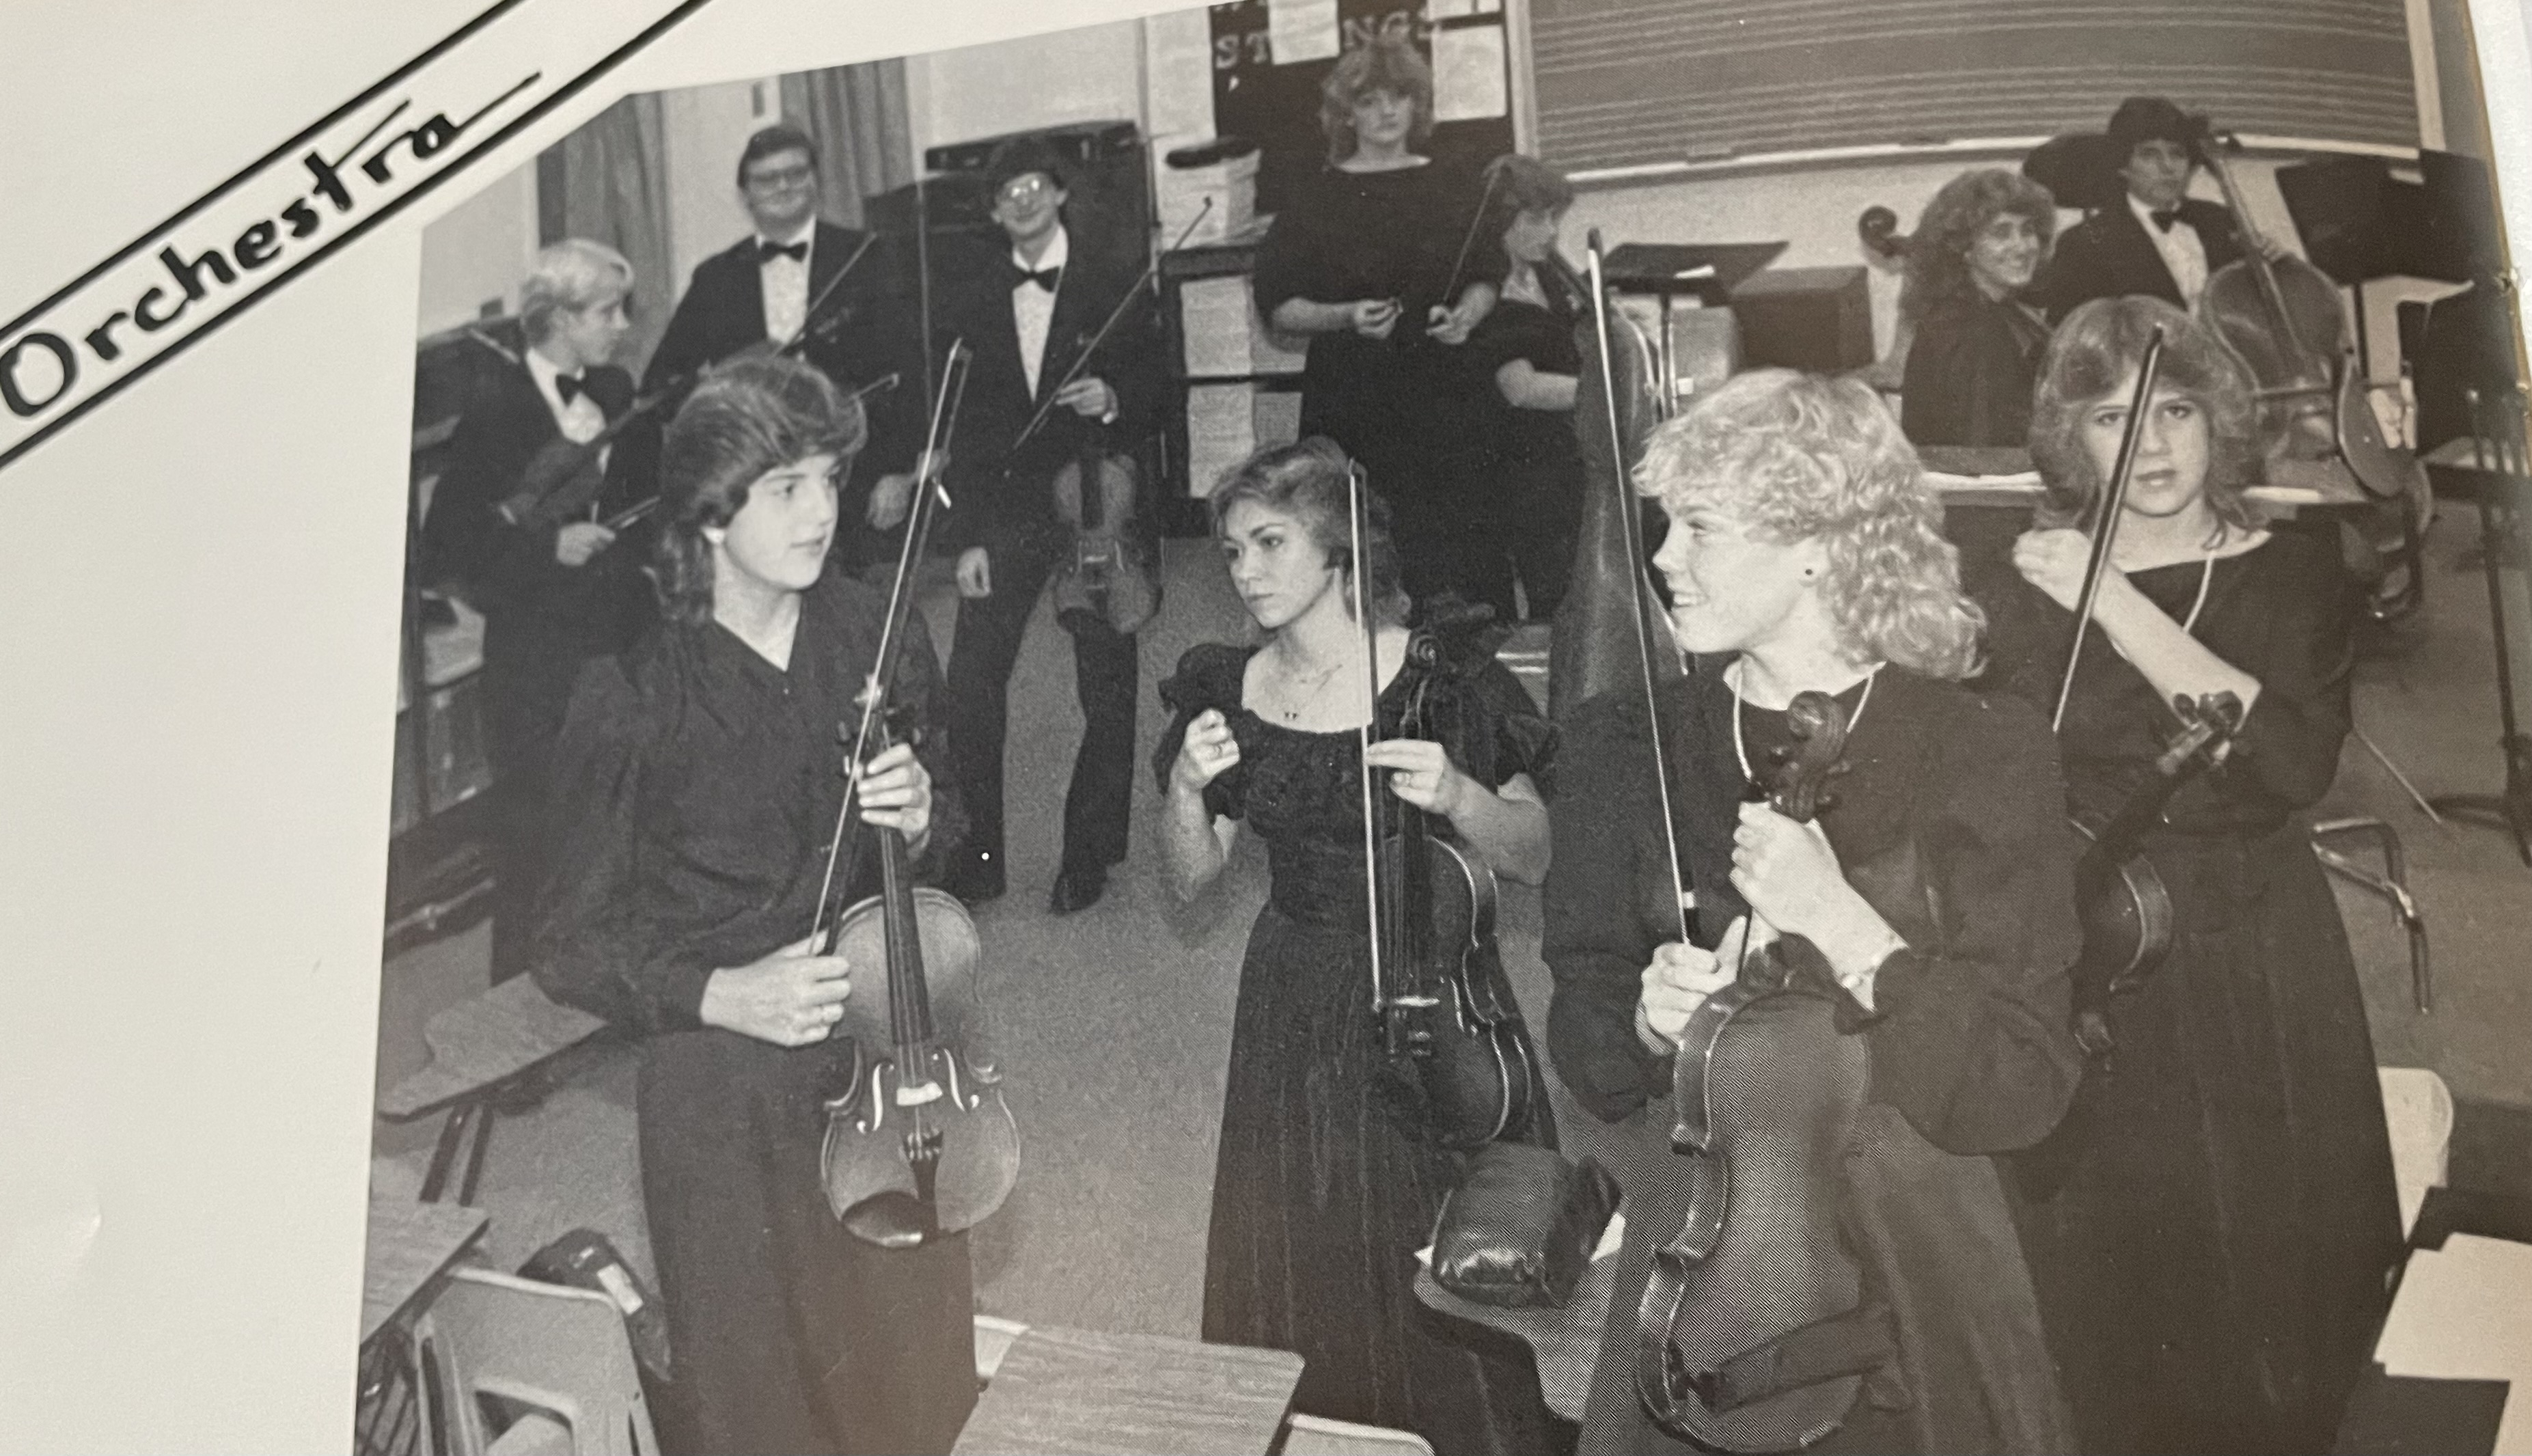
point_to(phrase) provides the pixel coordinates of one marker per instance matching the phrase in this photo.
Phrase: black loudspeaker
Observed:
(1108, 205)
(1819, 320)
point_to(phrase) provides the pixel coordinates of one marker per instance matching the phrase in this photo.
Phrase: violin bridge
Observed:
(918, 1094)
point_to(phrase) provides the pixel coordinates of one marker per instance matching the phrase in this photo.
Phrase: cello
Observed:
(1432, 923)
(922, 1144)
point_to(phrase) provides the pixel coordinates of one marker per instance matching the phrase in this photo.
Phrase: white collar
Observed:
(2145, 214)
(807, 232)
(1057, 254)
(544, 370)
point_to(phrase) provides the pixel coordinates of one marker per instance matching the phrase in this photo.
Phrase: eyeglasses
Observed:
(788, 179)
(1023, 187)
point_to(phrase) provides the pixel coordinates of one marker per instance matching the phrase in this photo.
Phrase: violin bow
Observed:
(2105, 526)
(1359, 523)
(1081, 361)
(1468, 239)
(931, 497)
(1631, 526)
(809, 313)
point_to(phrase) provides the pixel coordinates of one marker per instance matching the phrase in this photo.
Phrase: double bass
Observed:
(922, 1144)
(1432, 923)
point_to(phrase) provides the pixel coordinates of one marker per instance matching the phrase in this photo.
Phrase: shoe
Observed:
(1077, 890)
(974, 879)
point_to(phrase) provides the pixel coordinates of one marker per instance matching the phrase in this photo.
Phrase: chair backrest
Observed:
(1317, 1435)
(2418, 1110)
(530, 1367)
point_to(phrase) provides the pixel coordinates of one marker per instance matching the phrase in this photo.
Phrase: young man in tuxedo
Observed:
(1030, 316)
(760, 290)
(553, 593)
(2158, 240)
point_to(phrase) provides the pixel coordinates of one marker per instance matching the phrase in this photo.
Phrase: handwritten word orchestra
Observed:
(2169, 1234)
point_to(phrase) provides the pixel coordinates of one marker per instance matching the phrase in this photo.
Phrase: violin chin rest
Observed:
(890, 1220)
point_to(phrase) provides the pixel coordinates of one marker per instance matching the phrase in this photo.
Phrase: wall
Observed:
(1091, 73)
(705, 128)
(475, 252)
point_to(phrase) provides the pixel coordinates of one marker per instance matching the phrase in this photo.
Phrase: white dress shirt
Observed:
(787, 284)
(2183, 252)
(581, 420)
(1033, 308)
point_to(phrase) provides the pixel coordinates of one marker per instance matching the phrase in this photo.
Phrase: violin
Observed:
(564, 477)
(1111, 574)
(2124, 906)
(2284, 318)
(1753, 1334)
(922, 1144)
(1432, 923)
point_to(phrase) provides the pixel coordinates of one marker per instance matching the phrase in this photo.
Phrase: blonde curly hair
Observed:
(1802, 458)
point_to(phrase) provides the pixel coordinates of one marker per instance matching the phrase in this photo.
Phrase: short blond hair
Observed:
(571, 274)
(1804, 458)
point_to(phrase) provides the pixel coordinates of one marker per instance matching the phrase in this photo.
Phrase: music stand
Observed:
(2499, 479)
(1705, 272)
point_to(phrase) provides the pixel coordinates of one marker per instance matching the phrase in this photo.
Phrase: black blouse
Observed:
(1949, 820)
(1544, 340)
(2283, 612)
(695, 791)
(1972, 367)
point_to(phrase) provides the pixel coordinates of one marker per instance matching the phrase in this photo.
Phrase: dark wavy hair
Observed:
(1386, 64)
(748, 418)
(1306, 481)
(1939, 265)
(2093, 352)
(1516, 184)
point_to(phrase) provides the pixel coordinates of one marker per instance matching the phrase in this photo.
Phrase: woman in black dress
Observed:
(1525, 497)
(1325, 1185)
(1359, 261)
(2215, 1223)
(1805, 555)
(1977, 344)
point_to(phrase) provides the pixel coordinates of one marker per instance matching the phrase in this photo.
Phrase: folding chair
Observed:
(526, 1367)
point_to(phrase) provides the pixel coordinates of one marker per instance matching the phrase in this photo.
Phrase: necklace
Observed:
(1297, 693)
(1741, 750)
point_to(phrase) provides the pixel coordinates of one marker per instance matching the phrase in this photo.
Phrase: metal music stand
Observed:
(1705, 272)
(2498, 480)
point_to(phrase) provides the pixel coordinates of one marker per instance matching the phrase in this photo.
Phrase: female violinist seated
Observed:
(2214, 1261)
(699, 780)
(1326, 1184)
(1804, 555)
(1978, 335)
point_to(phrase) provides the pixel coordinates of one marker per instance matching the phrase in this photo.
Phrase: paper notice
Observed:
(1214, 315)
(2465, 1312)
(1278, 417)
(1468, 72)
(1300, 29)
(1222, 432)
(1448, 10)
(1178, 72)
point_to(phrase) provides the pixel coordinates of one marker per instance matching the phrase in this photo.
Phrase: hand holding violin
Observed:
(896, 794)
(1678, 981)
(1788, 873)
(1208, 752)
(1090, 397)
(1423, 774)
(792, 997)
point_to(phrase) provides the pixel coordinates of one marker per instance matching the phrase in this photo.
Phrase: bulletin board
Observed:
(1270, 57)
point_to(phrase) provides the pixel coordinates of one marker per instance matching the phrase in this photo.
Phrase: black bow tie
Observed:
(569, 386)
(2164, 218)
(1043, 277)
(768, 252)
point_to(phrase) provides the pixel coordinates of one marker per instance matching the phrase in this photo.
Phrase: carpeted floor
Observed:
(1116, 1020)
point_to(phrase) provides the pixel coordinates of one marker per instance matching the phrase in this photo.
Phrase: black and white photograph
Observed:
(1339, 727)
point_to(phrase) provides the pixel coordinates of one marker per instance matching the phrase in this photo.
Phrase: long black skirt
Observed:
(2213, 1226)
(1322, 1193)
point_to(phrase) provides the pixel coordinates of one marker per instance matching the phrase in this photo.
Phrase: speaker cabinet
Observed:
(1819, 320)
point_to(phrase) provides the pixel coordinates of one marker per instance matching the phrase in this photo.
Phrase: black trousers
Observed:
(528, 676)
(1107, 670)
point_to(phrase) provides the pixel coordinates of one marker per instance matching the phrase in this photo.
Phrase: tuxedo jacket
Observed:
(1000, 497)
(534, 603)
(2109, 254)
(724, 312)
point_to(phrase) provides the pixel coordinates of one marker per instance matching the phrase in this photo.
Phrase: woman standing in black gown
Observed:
(2215, 1221)
(1359, 261)
(1975, 350)
(1805, 555)
(1325, 1185)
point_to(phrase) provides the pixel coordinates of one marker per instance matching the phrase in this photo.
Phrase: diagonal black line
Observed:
(388, 209)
